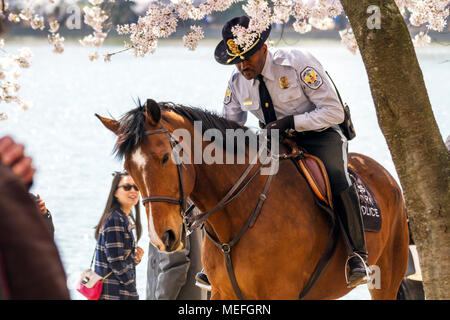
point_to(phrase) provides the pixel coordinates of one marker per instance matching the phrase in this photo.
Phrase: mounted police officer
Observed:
(288, 90)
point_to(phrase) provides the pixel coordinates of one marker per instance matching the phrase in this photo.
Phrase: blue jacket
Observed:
(115, 252)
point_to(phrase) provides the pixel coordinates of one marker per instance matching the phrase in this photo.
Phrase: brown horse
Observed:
(276, 256)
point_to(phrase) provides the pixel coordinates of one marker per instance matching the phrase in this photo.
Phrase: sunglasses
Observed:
(127, 187)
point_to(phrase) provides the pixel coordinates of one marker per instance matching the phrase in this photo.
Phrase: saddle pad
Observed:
(370, 209)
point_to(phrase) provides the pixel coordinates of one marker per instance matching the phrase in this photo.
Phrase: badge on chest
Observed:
(284, 83)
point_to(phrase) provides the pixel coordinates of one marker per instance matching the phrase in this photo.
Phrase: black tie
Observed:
(266, 102)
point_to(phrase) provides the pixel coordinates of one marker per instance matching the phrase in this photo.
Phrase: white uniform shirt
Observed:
(297, 85)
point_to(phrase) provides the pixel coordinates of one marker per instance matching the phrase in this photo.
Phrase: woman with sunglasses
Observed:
(116, 250)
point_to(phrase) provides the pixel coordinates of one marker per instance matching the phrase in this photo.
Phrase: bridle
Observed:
(181, 201)
(192, 222)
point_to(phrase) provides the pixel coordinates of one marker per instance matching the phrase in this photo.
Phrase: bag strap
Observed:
(335, 88)
(93, 256)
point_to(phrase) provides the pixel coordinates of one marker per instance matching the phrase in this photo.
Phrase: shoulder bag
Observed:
(90, 284)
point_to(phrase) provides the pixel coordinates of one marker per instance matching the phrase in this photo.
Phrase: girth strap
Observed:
(330, 247)
(327, 254)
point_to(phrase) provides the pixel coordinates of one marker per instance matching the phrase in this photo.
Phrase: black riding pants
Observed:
(331, 147)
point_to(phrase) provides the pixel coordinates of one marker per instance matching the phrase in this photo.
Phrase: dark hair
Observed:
(112, 204)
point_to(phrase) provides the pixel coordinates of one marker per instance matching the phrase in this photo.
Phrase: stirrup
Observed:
(365, 279)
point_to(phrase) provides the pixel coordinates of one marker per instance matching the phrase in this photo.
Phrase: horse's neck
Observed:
(213, 181)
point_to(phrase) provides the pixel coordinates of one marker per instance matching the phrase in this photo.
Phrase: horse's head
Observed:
(146, 143)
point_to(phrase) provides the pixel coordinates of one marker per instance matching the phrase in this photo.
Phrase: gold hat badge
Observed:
(236, 52)
(233, 47)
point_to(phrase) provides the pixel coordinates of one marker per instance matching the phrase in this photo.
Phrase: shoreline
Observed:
(26, 41)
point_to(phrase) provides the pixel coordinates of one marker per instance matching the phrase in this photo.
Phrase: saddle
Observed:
(314, 171)
(315, 174)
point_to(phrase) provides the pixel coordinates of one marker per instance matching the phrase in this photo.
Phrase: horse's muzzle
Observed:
(170, 241)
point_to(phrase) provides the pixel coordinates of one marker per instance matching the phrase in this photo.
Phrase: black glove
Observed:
(281, 124)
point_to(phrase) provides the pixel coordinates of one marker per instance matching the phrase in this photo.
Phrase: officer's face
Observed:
(253, 66)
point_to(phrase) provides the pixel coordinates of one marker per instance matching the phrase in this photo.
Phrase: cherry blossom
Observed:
(349, 40)
(192, 37)
(37, 22)
(161, 19)
(10, 64)
(57, 41)
(421, 39)
(301, 26)
(94, 17)
(54, 26)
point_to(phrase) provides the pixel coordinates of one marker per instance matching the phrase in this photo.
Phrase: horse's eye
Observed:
(165, 158)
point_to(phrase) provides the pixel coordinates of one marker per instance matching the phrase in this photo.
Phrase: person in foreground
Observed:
(116, 252)
(30, 264)
(287, 90)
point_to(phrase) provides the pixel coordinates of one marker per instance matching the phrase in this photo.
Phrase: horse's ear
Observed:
(153, 111)
(111, 124)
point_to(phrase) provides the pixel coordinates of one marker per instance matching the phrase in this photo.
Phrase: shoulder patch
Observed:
(311, 78)
(227, 98)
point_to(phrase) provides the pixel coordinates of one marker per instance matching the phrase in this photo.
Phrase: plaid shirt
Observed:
(115, 242)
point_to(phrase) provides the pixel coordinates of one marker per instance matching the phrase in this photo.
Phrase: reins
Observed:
(199, 219)
(193, 222)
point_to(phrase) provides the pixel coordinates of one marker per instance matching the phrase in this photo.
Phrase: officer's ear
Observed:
(264, 49)
(152, 111)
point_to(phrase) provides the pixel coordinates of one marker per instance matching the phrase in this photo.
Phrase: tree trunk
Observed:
(412, 135)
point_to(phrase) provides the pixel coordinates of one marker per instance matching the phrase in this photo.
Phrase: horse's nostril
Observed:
(168, 239)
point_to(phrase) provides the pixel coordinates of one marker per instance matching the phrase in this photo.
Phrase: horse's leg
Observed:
(391, 266)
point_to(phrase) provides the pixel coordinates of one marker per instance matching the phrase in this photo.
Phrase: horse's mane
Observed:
(132, 124)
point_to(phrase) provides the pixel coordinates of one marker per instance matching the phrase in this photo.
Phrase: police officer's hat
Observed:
(228, 52)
